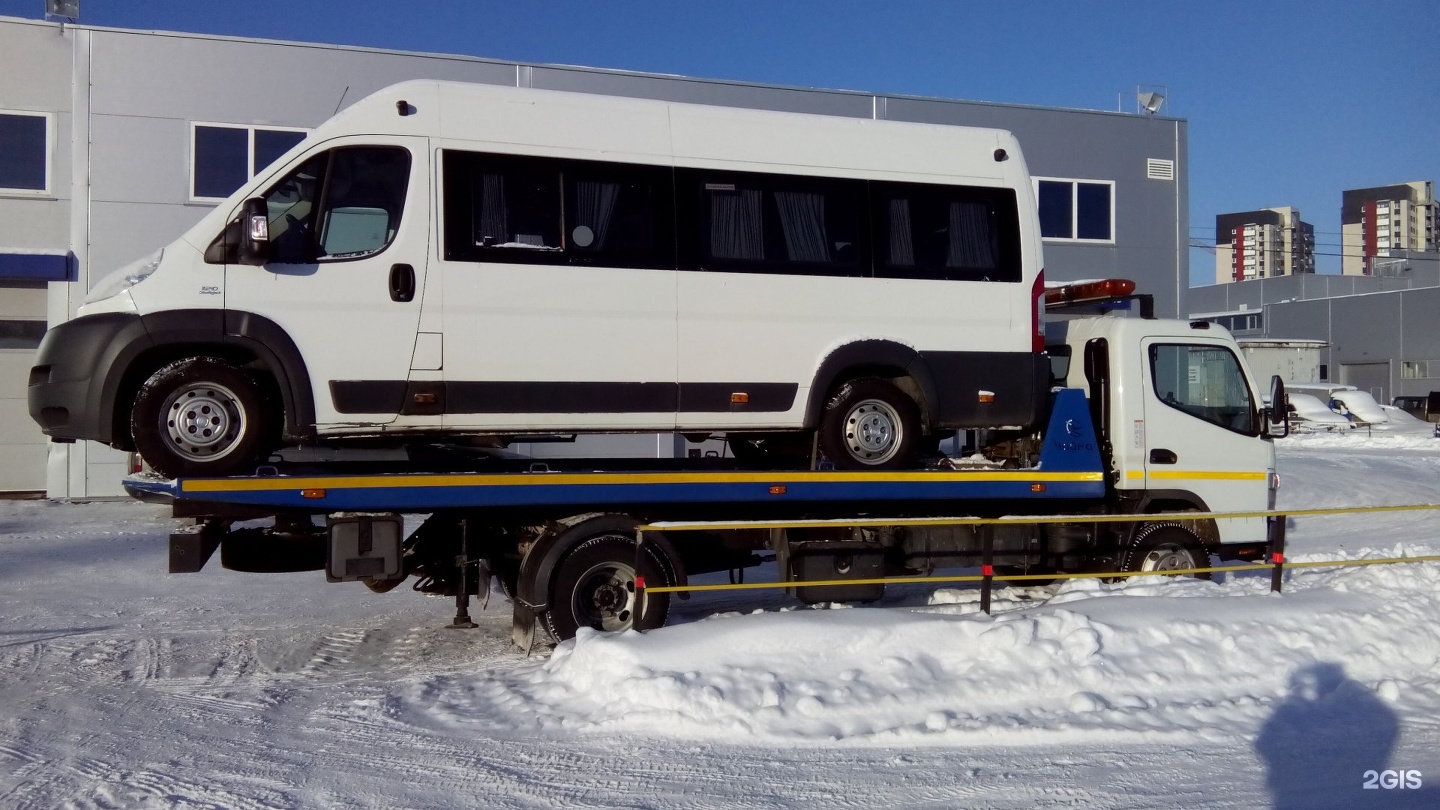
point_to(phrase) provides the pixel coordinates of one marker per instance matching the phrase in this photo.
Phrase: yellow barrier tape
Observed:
(746, 586)
(735, 525)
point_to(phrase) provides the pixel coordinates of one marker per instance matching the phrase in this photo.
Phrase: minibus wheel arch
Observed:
(899, 364)
(242, 338)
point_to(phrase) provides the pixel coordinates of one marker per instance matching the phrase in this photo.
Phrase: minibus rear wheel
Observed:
(202, 416)
(869, 424)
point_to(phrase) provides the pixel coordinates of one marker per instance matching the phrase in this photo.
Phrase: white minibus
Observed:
(456, 260)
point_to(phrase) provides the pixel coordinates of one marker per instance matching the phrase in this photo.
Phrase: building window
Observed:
(1076, 210)
(1419, 369)
(18, 334)
(25, 152)
(223, 156)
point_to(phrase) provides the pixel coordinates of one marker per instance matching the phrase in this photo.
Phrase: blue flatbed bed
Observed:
(1070, 470)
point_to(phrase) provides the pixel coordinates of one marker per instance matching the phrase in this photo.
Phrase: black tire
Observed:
(203, 416)
(594, 586)
(869, 424)
(1164, 547)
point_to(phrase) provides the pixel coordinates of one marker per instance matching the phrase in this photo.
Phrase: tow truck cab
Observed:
(1181, 414)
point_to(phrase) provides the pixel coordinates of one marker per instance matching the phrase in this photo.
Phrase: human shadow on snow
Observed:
(1321, 740)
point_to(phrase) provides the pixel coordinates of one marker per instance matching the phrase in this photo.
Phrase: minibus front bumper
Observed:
(77, 375)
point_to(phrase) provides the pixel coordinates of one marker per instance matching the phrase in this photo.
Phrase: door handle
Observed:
(402, 282)
(1163, 456)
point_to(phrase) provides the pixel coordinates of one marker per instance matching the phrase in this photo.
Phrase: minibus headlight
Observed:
(125, 278)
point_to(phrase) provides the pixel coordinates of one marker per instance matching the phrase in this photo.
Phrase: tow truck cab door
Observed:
(1203, 431)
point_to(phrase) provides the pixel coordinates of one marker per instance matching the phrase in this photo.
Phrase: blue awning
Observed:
(36, 267)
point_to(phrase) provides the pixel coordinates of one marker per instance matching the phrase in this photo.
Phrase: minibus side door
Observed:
(348, 241)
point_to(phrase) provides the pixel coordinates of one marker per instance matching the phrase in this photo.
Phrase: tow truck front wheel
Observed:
(201, 416)
(1165, 547)
(594, 586)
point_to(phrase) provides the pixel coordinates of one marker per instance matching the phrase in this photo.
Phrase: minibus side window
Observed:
(947, 232)
(517, 209)
(291, 204)
(364, 198)
(355, 194)
(767, 223)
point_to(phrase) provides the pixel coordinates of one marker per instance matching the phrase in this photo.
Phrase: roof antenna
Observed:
(341, 101)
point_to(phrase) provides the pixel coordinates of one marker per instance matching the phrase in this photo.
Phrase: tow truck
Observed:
(1147, 418)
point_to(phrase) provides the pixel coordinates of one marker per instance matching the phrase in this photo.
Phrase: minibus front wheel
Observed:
(202, 416)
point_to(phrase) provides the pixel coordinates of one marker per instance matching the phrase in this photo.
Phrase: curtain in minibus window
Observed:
(493, 226)
(802, 218)
(902, 244)
(736, 228)
(970, 237)
(594, 211)
(518, 209)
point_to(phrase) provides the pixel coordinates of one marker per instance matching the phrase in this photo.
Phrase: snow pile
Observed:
(121, 686)
(1096, 660)
(1366, 437)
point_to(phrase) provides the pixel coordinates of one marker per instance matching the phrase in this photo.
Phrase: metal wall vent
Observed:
(1159, 169)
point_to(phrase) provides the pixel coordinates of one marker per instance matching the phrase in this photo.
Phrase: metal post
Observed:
(1277, 552)
(462, 595)
(987, 567)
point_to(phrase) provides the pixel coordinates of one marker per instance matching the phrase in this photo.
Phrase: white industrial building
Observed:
(113, 142)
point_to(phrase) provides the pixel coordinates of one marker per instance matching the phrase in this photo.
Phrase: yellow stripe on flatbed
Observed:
(412, 480)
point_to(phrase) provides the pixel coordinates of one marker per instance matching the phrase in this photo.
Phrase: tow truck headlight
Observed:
(125, 278)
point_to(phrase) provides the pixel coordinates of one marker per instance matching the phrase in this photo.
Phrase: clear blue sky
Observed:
(1288, 103)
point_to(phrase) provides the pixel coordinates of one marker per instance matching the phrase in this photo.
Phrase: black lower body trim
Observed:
(390, 396)
(1019, 382)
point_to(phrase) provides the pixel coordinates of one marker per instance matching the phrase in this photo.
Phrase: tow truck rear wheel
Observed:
(594, 586)
(1165, 547)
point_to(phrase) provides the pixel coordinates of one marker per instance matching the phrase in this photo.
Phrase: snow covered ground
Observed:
(122, 686)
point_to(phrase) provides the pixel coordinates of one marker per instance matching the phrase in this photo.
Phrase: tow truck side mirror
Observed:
(1277, 425)
(254, 232)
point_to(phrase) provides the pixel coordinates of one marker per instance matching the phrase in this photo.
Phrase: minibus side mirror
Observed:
(254, 232)
(1277, 423)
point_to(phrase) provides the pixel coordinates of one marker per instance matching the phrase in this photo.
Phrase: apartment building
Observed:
(1263, 244)
(1374, 222)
